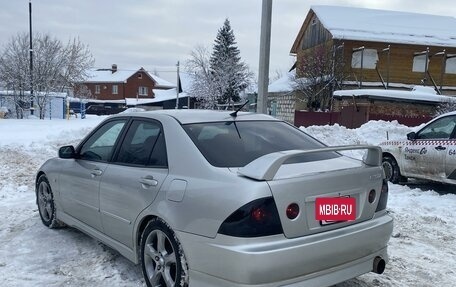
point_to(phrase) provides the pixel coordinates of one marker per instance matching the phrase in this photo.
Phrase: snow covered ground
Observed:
(422, 249)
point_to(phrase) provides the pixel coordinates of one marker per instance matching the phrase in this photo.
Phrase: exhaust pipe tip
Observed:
(379, 265)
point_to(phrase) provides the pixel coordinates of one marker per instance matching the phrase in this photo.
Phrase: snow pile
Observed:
(421, 250)
(370, 133)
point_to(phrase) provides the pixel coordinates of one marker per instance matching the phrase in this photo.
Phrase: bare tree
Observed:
(56, 68)
(14, 67)
(202, 87)
(276, 76)
(320, 72)
(82, 92)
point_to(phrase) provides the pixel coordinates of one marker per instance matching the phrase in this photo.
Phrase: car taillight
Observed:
(257, 218)
(383, 197)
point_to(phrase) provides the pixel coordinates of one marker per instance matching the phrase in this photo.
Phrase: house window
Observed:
(115, 89)
(139, 76)
(369, 57)
(142, 91)
(419, 63)
(97, 89)
(450, 67)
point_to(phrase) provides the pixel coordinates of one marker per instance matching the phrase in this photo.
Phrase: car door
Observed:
(80, 177)
(450, 161)
(425, 154)
(132, 181)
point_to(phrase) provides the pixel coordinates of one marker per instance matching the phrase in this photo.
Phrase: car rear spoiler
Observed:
(266, 167)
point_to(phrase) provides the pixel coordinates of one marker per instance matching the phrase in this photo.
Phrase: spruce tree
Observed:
(229, 74)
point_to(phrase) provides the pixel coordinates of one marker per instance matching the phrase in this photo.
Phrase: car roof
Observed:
(202, 116)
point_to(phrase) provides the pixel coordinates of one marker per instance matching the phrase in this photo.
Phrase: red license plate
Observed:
(334, 209)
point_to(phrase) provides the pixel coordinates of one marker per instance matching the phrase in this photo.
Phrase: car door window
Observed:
(143, 145)
(99, 146)
(440, 129)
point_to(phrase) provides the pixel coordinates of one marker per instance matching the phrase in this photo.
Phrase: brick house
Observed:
(386, 49)
(114, 84)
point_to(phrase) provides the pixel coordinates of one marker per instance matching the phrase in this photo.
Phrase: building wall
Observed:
(105, 91)
(137, 80)
(282, 106)
(375, 107)
(401, 64)
(54, 108)
(129, 89)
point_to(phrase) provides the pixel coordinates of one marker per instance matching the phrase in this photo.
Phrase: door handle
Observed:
(440, 147)
(148, 181)
(96, 172)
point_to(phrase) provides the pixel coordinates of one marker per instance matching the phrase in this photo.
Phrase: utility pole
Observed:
(177, 86)
(31, 58)
(265, 47)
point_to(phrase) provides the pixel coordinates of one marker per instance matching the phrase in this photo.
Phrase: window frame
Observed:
(141, 90)
(419, 63)
(94, 131)
(369, 56)
(450, 64)
(451, 135)
(114, 159)
(115, 89)
(97, 89)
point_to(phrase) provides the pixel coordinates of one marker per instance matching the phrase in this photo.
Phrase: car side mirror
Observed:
(67, 152)
(411, 136)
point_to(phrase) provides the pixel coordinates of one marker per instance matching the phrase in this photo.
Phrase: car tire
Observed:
(391, 169)
(46, 203)
(162, 258)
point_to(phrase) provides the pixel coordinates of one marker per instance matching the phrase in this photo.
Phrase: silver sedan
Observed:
(206, 198)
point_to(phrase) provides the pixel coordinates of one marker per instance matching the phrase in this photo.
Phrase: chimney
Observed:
(114, 68)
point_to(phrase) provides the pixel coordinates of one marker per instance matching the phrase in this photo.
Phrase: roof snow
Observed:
(417, 94)
(387, 26)
(160, 96)
(283, 84)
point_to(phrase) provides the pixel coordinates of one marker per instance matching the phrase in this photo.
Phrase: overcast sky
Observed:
(155, 34)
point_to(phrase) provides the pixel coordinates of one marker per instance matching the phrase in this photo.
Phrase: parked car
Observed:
(209, 198)
(429, 153)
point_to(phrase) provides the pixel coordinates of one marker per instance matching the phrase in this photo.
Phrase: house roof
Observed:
(160, 96)
(418, 94)
(121, 76)
(36, 93)
(283, 84)
(361, 24)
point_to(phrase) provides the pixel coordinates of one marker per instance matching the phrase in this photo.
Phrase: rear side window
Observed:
(144, 145)
(439, 129)
(235, 144)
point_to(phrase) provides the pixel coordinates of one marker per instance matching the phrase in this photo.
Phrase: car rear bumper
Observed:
(316, 260)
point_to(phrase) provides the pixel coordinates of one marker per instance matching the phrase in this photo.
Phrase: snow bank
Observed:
(421, 250)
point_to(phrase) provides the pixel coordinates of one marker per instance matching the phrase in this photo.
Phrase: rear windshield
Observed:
(235, 144)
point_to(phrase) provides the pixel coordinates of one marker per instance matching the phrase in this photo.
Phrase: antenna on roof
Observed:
(234, 114)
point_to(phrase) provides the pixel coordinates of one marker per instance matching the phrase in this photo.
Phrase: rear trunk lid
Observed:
(303, 183)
